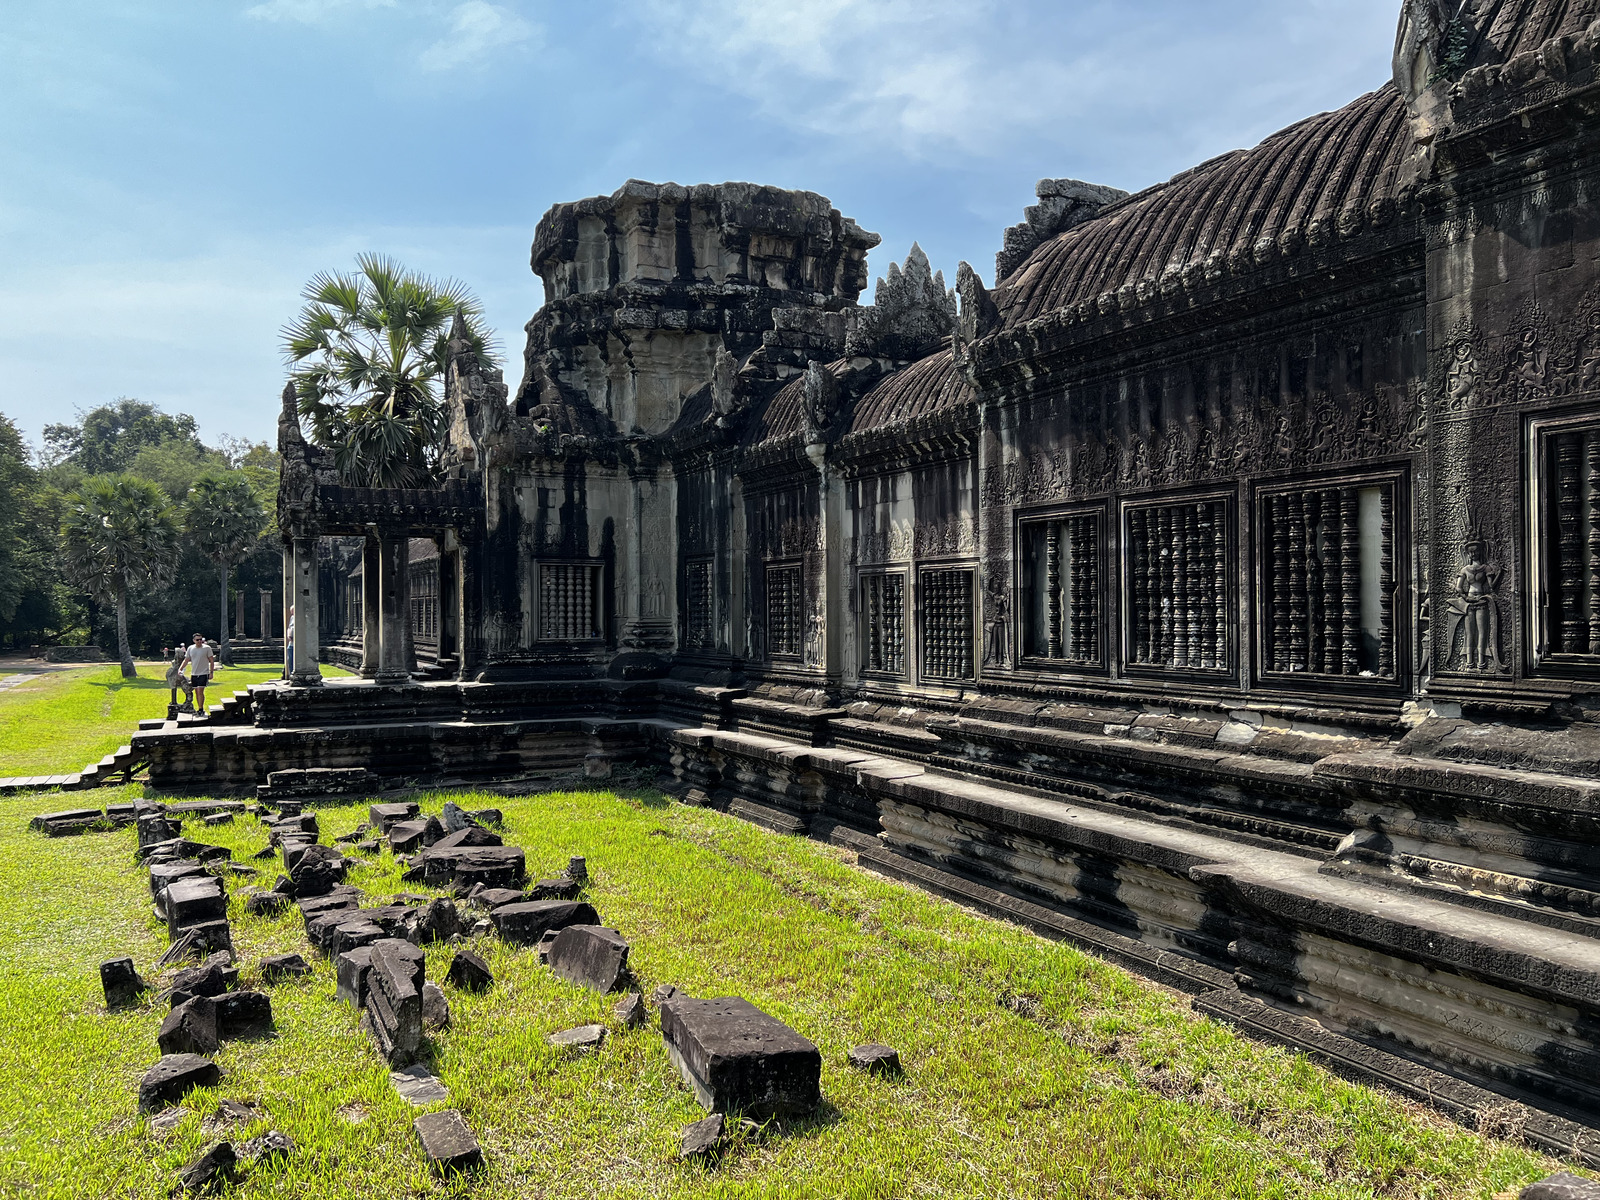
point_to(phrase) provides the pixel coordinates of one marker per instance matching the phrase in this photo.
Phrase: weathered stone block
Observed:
(630, 1011)
(703, 1139)
(590, 956)
(350, 973)
(211, 978)
(261, 903)
(383, 816)
(243, 1014)
(580, 1040)
(121, 983)
(1561, 1186)
(435, 1007)
(348, 935)
(190, 1028)
(524, 924)
(437, 921)
(194, 900)
(283, 966)
(469, 972)
(448, 1142)
(394, 1001)
(875, 1059)
(472, 835)
(418, 1085)
(734, 1056)
(211, 1171)
(174, 1077)
(491, 866)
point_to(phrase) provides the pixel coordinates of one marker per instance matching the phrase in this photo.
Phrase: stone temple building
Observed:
(1218, 586)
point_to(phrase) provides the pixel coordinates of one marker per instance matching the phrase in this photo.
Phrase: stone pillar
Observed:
(449, 611)
(238, 613)
(266, 615)
(838, 641)
(288, 599)
(307, 642)
(394, 554)
(468, 602)
(371, 606)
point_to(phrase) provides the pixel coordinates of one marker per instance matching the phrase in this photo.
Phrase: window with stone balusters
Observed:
(699, 604)
(785, 622)
(1060, 598)
(569, 602)
(948, 620)
(883, 623)
(1566, 486)
(1176, 592)
(1326, 579)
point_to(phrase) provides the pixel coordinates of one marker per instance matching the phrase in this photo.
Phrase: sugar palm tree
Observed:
(368, 351)
(119, 533)
(224, 517)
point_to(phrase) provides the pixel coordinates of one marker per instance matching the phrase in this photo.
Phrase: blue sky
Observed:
(174, 172)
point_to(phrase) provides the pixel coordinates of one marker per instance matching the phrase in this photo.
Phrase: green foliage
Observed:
(369, 350)
(106, 439)
(175, 466)
(1031, 1069)
(17, 480)
(224, 517)
(119, 533)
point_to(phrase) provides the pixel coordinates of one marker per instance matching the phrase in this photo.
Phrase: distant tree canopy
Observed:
(41, 603)
(368, 352)
(107, 439)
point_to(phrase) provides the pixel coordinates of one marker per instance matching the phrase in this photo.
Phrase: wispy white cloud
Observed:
(477, 31)
(309, 12)
(980, 77)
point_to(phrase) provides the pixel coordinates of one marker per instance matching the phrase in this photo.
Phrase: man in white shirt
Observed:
(201, 662)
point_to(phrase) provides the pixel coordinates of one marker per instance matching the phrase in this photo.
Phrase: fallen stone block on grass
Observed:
(703, 1139)
(350, 973)
(469, 972)
(268, 1146)
(1561, 1186)
(349, 935)
(525, 924)
(174, 1077)
(448, 1142)
(472, 835)
(736, 1057)
(418, 1085)
(193, 900)
(491, 866)
(580, 1040)
(317, 870)
(875, 1059)
(222, 818)
(493, 898)
(38, 823)
(629, 1011)
(244, 1014)
(393, 1014)
(435, 1007)
(559, 888)
(190, 1028)
(590, 956)
(211, 1171)
(259, 902)
(211, 978)
(437, 921)
(121, 983)
(405, 837)
(283, 966)
(383, 816)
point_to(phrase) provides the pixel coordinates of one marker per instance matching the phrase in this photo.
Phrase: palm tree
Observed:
(119, 533)
(369, 349)
(224, 517)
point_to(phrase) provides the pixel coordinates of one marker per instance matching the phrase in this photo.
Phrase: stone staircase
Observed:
(118, 767)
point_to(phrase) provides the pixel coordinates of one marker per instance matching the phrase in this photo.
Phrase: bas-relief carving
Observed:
(883, 546)
(1471, 641)
(1316, 432)
(955, 535)
(1535, 359)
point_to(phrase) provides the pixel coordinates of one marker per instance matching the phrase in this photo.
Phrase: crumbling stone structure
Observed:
(1220, 588)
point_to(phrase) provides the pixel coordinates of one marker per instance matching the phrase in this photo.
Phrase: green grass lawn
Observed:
(1032, 1069)
(60, 722)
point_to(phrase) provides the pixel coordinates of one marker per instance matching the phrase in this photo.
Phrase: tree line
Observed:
(126, 531)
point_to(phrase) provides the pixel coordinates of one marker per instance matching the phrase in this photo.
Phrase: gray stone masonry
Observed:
(448, 1143)
(590, 956)
(735, 1057)
(525, 924)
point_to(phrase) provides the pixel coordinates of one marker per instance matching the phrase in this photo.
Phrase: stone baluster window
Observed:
(947, 623)
(569, 602)
(1568, 507)
(784, 617)
(1061, 572)
(1178, 565)
(1327, 578)
(700, 631)
(883, 623)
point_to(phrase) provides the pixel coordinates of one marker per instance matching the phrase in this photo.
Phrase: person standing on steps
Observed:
(202, 661)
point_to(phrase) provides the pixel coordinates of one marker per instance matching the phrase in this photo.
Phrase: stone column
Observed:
(371, 606)
(307, 641)
(238, 613)
(449, 613)
(468, 602)
(838, 646)
(288, 599)
(266, 615)
(394, 554)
